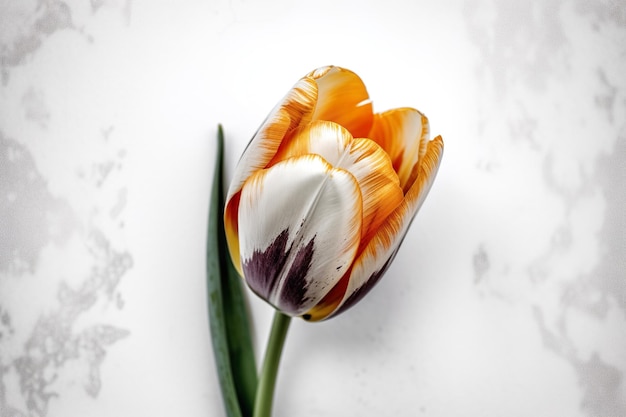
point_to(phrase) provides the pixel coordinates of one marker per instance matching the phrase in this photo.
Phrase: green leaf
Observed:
(240, 340)
(228, 314)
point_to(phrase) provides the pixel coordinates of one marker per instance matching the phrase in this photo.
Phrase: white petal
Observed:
(299, 230)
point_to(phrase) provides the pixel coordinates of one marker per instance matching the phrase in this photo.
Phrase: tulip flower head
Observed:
(324, 194)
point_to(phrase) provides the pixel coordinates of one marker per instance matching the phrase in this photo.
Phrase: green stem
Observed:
(267, 380)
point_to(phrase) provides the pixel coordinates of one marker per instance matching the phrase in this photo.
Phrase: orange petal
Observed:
(343, 99)
(296, 108)
(381, 249)
(327, 139)
(231, 229)
(403, 133)
(379, 184)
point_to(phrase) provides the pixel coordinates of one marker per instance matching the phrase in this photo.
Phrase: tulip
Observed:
(324, 194)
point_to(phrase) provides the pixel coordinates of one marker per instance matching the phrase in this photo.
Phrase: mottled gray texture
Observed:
(525, 45)
(609, 276)
(601, 382)
(33, 219)
(32, 23)
(63, 345)
(30, 217)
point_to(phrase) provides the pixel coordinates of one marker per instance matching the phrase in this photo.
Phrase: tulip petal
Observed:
(363, 158)
(380, 251)
(294, 109)
(379, 184)
(403, 133)
(343, 99)
(299, 231)
(231, 230)
(327, 139)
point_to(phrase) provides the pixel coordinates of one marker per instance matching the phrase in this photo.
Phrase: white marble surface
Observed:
(508, 297)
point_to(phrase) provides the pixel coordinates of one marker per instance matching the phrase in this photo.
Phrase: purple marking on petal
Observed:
(293, 293)
(360, 292)
(263, 268)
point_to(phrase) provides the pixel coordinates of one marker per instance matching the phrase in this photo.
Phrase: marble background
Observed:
(508, 297)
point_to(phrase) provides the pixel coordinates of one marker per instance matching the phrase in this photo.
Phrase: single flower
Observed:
(324, 194)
